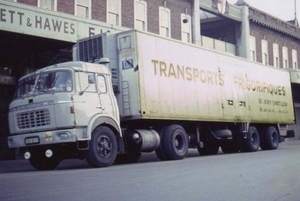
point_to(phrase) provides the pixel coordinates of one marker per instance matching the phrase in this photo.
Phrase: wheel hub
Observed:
(104, 146)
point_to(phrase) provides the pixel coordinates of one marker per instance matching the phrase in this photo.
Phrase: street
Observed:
(259, 176)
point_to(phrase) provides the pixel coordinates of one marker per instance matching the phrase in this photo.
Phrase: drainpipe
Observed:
(243, 34)
(196, 23)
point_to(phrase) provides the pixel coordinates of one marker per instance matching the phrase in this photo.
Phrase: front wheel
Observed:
(103, 148)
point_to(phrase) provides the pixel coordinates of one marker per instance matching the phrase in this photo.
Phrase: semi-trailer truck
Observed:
(145, 94)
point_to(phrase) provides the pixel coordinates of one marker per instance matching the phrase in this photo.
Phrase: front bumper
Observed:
(45, 138)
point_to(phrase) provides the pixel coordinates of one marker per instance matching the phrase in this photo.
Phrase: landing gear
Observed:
(252, 142)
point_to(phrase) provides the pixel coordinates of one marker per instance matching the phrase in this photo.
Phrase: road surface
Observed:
(259, 176)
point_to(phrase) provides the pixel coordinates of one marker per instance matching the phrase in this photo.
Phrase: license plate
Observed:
(32, 140)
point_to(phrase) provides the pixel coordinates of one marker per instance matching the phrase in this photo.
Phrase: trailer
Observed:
(145, 94)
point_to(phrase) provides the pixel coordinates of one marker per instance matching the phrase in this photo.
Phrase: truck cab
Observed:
(60, 106)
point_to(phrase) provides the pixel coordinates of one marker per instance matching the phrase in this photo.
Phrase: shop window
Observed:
(140, 15)
(164, 22)
(48, 4)
(186, 28)
(83, 8)
(114, 12)
(264, 51)
(295, 59)
(285, 57)
(252, 48)
(276, 55)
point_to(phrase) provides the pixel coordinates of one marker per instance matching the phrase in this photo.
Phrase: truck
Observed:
(132, 92)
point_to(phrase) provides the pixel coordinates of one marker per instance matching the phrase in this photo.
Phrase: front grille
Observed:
(33, 119)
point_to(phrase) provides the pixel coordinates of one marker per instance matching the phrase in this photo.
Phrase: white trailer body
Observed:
(166, 79)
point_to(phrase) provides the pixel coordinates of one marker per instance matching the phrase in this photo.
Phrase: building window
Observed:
(114, 12)
(48, 4)
(295, 59)
(264, 51)
(83, 8)
(276, 55)
(252, 48)
(164, 22)
(140, 15)
(186, 28)
(285, 57)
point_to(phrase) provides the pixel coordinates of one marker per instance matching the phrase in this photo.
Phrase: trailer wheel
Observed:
(160, 153)
(209, 148)
(103, 148)
(252, 142)
(271, 138)
(175, 142)
(40, 162)
(130, 157)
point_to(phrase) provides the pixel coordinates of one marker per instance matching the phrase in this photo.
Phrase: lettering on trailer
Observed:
(176, 71)
(258, 86)
(187, 73)
(267, 105)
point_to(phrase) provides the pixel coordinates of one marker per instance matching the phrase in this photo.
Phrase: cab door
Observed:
(86, 100)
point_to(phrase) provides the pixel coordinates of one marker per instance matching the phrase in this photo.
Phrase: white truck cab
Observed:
(59, 106)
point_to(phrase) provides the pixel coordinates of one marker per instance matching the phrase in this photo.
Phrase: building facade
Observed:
(38, 33)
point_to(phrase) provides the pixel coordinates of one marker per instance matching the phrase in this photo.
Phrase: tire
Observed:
(252, 143)
(130, 157)
(210, 148)
(103, 148)
(40, 162)
(271, 138)
(229, 147)
(160, 151)
(175, 142)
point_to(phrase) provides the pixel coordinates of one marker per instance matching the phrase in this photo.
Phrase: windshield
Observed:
(46, 82)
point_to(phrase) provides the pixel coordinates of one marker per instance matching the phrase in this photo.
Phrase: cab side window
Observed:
(92, 83)
(102, 89)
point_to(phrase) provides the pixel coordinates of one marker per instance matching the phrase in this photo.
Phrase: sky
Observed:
(282, 9)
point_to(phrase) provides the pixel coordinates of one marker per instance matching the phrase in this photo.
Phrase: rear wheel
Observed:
(271, 138)
(252, 142)
(103, 147)
(160, 153)
(175, 142)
